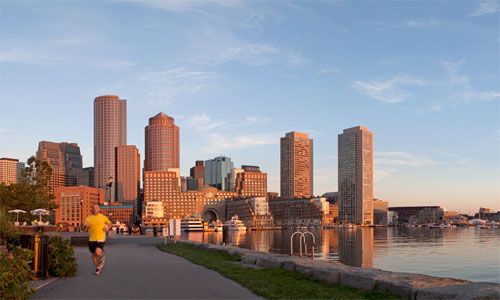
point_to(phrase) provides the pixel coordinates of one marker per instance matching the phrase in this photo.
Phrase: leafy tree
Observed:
(32, 191)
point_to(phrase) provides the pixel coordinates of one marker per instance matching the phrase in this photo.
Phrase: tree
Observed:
(32, 191)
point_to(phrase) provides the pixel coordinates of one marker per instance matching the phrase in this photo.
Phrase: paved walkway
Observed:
(136, 269)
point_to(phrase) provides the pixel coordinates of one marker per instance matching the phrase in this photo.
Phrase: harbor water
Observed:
(465, 253)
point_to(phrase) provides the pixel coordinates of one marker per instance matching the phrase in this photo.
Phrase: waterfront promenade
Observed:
(136, 269)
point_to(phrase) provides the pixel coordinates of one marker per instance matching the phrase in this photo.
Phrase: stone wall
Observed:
(405, 285)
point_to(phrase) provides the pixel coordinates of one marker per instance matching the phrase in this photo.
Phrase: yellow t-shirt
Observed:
(96, 227)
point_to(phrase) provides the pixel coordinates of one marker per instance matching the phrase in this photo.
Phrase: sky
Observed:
(423, 76)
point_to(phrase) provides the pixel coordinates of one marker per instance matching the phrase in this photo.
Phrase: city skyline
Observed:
(236, 76)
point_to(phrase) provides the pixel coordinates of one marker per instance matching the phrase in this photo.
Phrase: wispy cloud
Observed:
(402, 159)
(459, 83)
(253, 120)
(422, 23)
(203, 122)
(4, 130)
(25, 56)
(380, 174)
(486, 8)
(388, 91)
(324, 71)
(163, 87)
(188, 5)
(220, 142)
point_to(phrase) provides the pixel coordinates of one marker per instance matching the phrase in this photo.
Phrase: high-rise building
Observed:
(162, 144)
(218, 171)
(355, 176)
(64, 159)
(110, 131)
(128, 174)
(85, 177)
(296, 166)
(10, 170)
(198, 171)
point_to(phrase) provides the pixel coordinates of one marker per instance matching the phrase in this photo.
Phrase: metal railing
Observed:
(302, 239)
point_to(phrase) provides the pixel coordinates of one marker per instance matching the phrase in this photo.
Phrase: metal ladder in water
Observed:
(302, 238)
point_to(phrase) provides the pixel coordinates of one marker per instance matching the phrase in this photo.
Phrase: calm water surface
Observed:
(465, 253)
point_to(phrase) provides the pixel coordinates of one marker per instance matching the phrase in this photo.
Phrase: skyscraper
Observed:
(162, 144)
(355, 176)
(296, 166)
(128, 174)
(64, 159)
(110, 131)
(10, 170)
(218, 172)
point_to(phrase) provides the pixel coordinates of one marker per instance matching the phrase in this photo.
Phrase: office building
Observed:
(162, 144)
(64, 159)
(300, 212)
(128, 174)
(75, 203)
(10, 170)
(119, 213)
(380, 204)
(296, 180)
(198, 171)
(85, 177)
(110, 131)
(217, 172)
(355, 176)
(251, 182)
(253, 211)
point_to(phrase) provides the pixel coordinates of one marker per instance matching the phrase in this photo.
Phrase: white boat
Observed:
(193, 223)
(219, 226)
(235, 224)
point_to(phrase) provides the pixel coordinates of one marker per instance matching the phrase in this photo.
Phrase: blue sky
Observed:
(423, 76)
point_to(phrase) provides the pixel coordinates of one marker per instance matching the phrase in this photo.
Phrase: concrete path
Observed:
(136, 269)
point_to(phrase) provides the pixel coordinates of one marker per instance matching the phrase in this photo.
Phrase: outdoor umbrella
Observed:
(17, 211)
(40, 212)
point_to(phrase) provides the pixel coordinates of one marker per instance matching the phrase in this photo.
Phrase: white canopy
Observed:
(17, 211)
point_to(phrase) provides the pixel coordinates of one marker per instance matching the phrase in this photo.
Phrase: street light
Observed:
(110, 184)
(81, 214)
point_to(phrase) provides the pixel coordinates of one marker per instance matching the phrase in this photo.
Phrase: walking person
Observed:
(98, 225)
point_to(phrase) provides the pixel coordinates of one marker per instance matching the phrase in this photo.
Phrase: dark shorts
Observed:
(94, 245)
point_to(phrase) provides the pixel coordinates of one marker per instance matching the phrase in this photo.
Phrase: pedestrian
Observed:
(98, 225)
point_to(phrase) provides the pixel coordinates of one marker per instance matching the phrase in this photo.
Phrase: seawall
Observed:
(405, 285)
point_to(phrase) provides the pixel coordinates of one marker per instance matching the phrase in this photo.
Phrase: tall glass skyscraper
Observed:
(218, 172)
(355, 176)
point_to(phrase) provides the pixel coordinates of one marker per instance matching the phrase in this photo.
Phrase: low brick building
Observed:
(75, 203)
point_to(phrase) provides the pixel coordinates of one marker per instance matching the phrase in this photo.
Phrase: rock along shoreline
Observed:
(406, 285)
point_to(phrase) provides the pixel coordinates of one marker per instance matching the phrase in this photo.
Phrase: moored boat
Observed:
(193, 223)
(235, 224)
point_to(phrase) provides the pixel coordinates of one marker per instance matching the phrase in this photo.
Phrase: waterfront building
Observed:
(217, 172)
(296, 169)
(64, 159)
(232, 179)
(162, 144)
(380, 204)
(381, 217)
(194, 183)
(85, 177)
(10, 170)
(198, 172)
(128, 174)
(334, 211)
(75, 203)
(119, 213)
(355, 176)
(435, 216)
(483, 211)
(406, 213)
(300, 211)
(254, 211)
(110, 131)
(251, 182)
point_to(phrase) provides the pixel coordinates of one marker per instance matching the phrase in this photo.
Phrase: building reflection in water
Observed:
(356, 247)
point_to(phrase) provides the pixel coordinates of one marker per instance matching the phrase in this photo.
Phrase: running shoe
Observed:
(98, 271)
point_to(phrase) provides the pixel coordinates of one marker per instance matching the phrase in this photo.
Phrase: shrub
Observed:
(9, 235)
(62, 262)
(15, 274)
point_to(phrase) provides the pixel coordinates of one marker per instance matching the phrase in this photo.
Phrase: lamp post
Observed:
(81, 214)
(110, 184)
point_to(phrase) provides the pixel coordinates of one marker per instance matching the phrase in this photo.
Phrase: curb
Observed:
(47, 282)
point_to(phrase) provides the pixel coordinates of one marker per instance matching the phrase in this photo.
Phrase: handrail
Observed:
(302, 239)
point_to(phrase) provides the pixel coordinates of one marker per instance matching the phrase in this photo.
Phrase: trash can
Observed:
(40, 246)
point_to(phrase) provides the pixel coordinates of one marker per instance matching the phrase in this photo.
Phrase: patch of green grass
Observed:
(271, 283)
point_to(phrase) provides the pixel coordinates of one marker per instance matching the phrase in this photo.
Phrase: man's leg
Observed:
(100, 257)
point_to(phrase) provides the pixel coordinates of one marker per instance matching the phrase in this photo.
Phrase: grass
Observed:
(270, 283)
